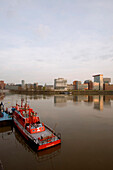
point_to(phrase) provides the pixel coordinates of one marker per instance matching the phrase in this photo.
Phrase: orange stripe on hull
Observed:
(49, 144)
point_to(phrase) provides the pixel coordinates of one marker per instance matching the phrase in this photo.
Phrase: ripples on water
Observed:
(86, 127)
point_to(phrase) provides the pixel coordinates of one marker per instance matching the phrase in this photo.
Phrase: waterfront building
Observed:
(13, 86)
(90, 84)
(40, 87)
(49, 87)
(95, 86)
(35, 86)
(29, 87)
(83, 87)
(2, 84)
(87, 81)
(108, 87)
(76, 83)
(60, 84)
(23, 84)
(99, 79)
(69, 86)
(107, 80)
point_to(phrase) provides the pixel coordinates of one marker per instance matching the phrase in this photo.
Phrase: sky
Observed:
(41, 40)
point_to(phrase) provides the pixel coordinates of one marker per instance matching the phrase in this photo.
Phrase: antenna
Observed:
(54, 127)
(26, 99)
(22, 99)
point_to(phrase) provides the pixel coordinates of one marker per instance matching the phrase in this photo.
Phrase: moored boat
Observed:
(28, 123)
(5, 116)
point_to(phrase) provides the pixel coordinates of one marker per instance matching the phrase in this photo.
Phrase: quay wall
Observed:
(93, 92)
(73, 92)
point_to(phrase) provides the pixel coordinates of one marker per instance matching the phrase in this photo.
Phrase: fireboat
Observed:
(35, 132)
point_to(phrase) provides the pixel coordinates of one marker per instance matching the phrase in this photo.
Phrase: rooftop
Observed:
(98, 75)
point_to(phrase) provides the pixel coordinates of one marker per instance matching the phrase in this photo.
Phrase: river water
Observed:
(86, 127)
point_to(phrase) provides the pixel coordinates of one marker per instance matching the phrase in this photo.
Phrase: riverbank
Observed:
(92, 92)
(74, 92)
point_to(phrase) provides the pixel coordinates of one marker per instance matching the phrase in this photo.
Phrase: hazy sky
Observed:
(45, 39)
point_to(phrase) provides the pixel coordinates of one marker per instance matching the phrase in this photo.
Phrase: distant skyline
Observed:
(41, 40)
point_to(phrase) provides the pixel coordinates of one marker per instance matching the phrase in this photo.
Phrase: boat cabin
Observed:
(28, 119)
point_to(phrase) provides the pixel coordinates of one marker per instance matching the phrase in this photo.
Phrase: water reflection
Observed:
(86, 134)
(35, 97)
(2, 95)
(42, 155)
(60, 101)
(5, 132)
(99, 101)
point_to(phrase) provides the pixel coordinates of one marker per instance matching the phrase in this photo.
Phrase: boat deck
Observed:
(40, 135)
(43, 135)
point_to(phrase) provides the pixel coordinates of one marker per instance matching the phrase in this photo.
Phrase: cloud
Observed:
(43, 31)
(106, 56)
(69, 60)
(39, 40)
(38, 60)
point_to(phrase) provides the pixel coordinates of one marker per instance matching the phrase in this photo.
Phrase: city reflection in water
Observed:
(2, 95)
(99, 101)
(86, 134)
(60, 101)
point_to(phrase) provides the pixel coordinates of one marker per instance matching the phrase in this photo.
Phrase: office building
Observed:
(107, 80)
(96, 86)
(23, 84)
(99, 79)
(90, 84)
(76, 83)
(2, 85)
(60, 84)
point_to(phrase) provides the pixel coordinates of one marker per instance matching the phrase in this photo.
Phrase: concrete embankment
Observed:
(76, 92)
(92, 92)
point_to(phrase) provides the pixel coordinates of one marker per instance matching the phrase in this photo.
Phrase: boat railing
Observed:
(58, 134)
(47, 140)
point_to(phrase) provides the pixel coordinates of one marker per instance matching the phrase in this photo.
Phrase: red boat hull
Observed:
(49, 144)
(39, 147)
